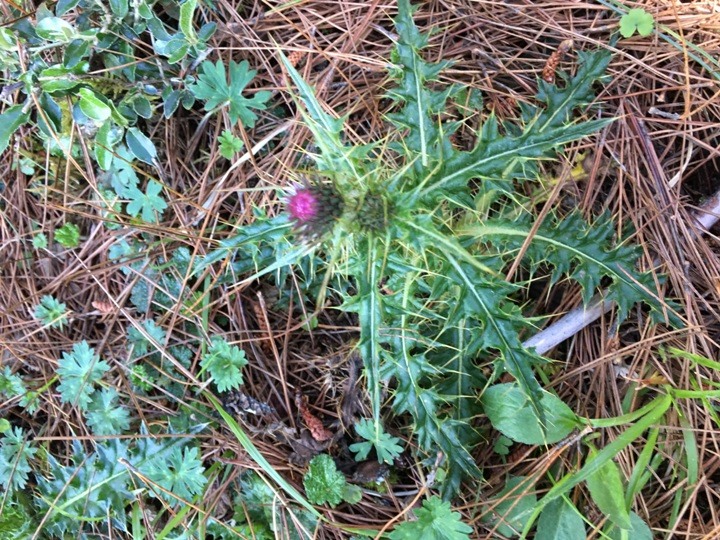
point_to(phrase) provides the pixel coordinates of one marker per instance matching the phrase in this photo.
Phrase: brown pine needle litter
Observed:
(651, 169)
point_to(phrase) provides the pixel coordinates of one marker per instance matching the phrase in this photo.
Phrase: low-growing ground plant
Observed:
(425, 231)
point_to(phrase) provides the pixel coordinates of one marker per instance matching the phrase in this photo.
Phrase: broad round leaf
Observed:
(560, 520)
(511, 413)
(11, 120)
(638, 530)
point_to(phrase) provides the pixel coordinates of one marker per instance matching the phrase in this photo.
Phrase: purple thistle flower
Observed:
(303, 205)
(314, 208)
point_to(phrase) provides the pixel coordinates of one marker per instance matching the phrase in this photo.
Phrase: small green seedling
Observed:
(229, 144)
(636, 20)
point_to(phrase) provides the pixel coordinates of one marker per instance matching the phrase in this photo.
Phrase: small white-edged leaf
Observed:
(55, 29)
(187, 11)
(92, 106)
(141, 146)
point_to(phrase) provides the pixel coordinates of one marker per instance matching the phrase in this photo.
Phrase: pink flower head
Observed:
(314, 207)
(303, 205)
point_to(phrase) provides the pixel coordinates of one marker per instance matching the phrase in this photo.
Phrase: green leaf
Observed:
(499, 332)
(653, 412)
(370, 310)
(123, 178)
(229, 144)
(56, 29)
(4, 425)
(53, 115)
(63, 6)
(11, 385)
(335, 155)
(435, 521)
(386, 447)
(149, 205)
(16, 522)
(560, 520)
(517, 501)
(606, 490)
(142, 344)
(636, 19)
(638, 530)
(119, 8)
(107, 137)
(15, 454)
(176, 49)
(141, 146)
(420, 104)
(585, 252)
(68, 235)
(502, 158)
(181, 473)
(92, 486)
(74, 53)
(93, 107)
(187, 12)
(10, 121)
(224, 362)
(142, 106)
(40, 241)
(104, 415)
(213, 88)
(323, 482)
(171, 101)
(51, 312)
(509, 411)
(78, 372)
(352, 494)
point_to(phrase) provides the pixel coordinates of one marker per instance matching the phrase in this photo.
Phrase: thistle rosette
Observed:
(314, 208)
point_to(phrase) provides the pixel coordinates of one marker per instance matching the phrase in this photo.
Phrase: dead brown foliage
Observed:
(650, 169)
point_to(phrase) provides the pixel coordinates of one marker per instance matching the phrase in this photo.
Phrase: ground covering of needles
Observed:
(651, 172)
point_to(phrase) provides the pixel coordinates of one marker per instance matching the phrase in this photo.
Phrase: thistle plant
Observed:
(425, 233)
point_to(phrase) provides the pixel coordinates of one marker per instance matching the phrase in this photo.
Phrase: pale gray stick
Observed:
(577, 319)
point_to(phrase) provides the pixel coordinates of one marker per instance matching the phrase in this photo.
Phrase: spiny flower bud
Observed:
(375, 212)
(314, 208)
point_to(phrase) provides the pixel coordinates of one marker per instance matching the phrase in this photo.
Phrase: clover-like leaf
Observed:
(636, 20)
(149, 204)
(15, 451)
(104, 416)
(229, 144)
(387, 447)
(68, 235)
(435, 520)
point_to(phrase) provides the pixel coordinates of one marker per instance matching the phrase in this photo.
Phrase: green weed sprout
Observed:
(636, 20)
